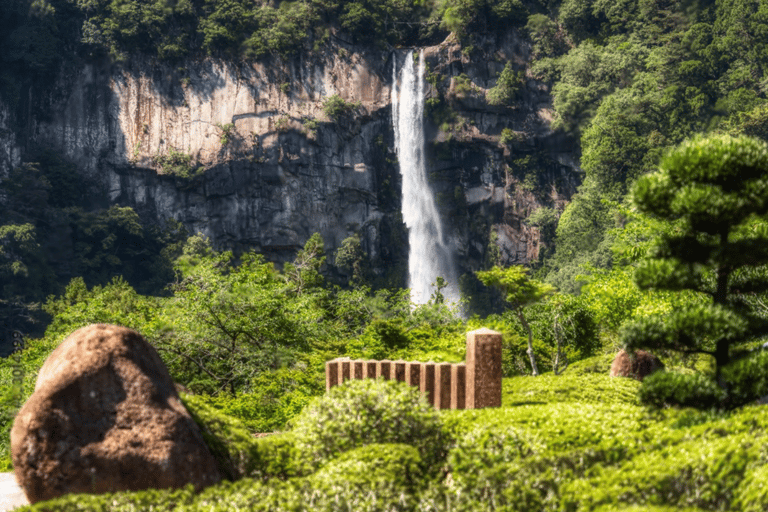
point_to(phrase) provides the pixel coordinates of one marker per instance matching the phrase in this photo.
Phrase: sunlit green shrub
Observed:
(274, 397)
(752, 494)
(363, 412)
(701, 472)
(335, 107)
(596, 364)
(227, 438)
(747, 378)
(664, 389)
(549, 388)
(373, 477)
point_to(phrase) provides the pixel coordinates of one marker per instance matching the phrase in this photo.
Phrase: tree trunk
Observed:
(531, 355)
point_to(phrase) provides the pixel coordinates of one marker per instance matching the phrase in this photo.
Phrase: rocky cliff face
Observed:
(246, 155)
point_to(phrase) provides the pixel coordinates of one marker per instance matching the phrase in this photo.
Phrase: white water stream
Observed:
(430, 255)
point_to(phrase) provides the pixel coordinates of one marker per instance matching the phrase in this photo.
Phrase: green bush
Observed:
(596, 364)
(373, 477)
(363, 412)
(275, 456)
(664, 389)
(227, 438)
(752, 494)
(747, 378)
(698, 472)
(481, 464)
(507, 87)
(274, 397)
(335, 107)
(587, 388)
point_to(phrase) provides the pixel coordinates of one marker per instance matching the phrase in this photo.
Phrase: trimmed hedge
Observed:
(362, 412)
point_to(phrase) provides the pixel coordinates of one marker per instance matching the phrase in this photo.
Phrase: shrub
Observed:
(226, 133)
(179, 164)
(507, 87)
(363, 412)
(596, 364)
(335, 107)
(747, 378)
(275, 456)
(664, 389)
(381, 338)
(752, 494)
(227, 438)
(372, 477)
(281, 124)
(586, 388)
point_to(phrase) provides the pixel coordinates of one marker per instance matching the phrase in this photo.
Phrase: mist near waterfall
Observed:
(430, 254)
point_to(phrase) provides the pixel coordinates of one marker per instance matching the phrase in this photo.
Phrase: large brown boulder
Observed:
(637, 366)
(105, 416)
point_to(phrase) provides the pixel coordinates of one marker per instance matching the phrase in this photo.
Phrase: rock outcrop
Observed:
(104, 417)
(638, 365)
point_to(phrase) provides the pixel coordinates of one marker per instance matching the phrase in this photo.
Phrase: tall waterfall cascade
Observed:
(430, 253)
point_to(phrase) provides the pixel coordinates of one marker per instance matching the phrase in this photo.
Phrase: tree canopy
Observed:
(713, 194)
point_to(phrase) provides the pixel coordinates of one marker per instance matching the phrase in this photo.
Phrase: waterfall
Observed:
(431, 255)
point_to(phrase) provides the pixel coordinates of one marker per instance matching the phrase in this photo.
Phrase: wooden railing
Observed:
(474, 384)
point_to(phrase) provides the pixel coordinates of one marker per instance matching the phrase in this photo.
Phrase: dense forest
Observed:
(631, 80)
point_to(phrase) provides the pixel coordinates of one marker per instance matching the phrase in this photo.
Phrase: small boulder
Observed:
(105, 417)
(638, 367)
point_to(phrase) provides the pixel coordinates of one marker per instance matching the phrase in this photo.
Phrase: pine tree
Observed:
(519, 291)
(713, 193)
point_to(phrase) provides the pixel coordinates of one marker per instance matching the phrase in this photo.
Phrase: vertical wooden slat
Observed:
(458, 386)
(427, 383)
(331, 374)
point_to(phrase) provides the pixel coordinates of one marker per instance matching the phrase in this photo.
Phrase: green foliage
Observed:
(335, 107)
(557, 443)
(386, 474)
(177, 163)
(712, 189)
(517, 288)
(365, 412)
(508, 136)
(507, 87)
(226, 133)
(460, 16)
(542, 217)
(664, 389)
(226, 322)
(351, 257)
(747, 378)
(548, 38)
(519, 291)
(275, 397)
(576, 385)
(462, 85)
(230, 443)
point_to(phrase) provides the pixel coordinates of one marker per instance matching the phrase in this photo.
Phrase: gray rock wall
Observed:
(287, 170)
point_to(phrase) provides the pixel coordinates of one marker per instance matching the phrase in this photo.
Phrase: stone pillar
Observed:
(427, 381)
(383, 369)
(413, 374)
(483, 369)
(458, 386)
(357, 370)
(331, 374)
(443, 385)
(398, 371)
